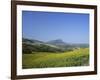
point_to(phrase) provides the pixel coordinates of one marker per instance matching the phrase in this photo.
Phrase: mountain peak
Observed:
(57, 42)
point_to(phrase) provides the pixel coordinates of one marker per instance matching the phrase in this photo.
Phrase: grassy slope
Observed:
(45, 59)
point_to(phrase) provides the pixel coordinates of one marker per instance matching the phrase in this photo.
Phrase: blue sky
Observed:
(46, 26)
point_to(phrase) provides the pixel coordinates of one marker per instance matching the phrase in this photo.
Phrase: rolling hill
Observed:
(30, 46)
(58, 45)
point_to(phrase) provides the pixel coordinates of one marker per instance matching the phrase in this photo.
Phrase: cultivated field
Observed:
(77, 57)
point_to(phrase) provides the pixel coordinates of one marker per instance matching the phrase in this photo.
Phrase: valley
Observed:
(56, 53)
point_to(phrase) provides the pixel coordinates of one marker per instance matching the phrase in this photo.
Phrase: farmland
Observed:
(76, 57)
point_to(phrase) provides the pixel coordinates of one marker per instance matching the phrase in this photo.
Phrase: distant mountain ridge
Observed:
(31, 40)
(58, 45)
(38, 46)
(57, 42)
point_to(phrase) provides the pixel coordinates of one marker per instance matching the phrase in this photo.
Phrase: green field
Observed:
(77, 57)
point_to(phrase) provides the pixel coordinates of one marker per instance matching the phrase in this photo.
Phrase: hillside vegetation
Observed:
(76, 57)
(29, 46)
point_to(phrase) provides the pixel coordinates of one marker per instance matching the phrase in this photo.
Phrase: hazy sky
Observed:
(45, 26)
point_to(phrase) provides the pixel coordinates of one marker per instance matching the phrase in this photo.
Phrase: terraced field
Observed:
(77, 57)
